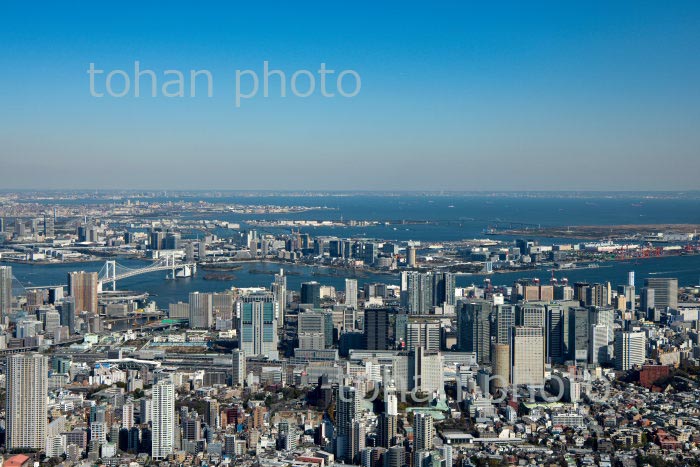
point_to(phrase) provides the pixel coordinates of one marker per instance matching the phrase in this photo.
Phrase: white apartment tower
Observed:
(630, 349)
(163, 417)
(27, 388)
(351, 293)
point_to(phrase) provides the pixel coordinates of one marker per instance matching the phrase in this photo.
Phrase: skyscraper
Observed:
(500, 355)
(504, 316)
(347, 411)
(417, 294)
(604, 316)
(376, 328)
(527, 355)
(201, 310)
(628, 292)
(647, 299)
(163, 419)
(5, 291)
(581, 329)
(531, 315)
(239, 367)
(351, 293)
(598, 352)
(424, 334)
(423, 432)
(443, 289)
(311, 293)
(48, 226)
(128, 415)
(556, 351)
(387, 423)
(82, 286)
(257, 318)
(474, 328)
(315, 329)
(630, 349)
(665, 291)
(68, 314)
(279, 289)
(598, 295)
(27, 388)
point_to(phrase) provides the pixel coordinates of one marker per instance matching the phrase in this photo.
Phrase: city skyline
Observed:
(376, 234)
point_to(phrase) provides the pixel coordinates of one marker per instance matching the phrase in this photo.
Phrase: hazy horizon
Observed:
(457, 96)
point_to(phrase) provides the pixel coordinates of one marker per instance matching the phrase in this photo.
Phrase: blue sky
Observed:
(455, 95)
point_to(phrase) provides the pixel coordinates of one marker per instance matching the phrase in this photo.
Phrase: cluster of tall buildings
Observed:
(421, 292)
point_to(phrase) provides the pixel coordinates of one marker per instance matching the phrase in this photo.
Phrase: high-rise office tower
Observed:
(563, 292)
(531, 315)
(311, 293)
(604, 316)
(239, 367)
(201, 310)
(424, 334)
(172, 241)
(598, 352)
(222, 304)
(500, 356)
(279, 289)
(628, 292)
(504, 316)
(665, 291)
(68, 314)
(647, 299)
(443, 288)
(598, 295)
(580, 328)
(5, 291)
(163, 420)
(82, 286)
(423, 432)
(27, 389)
(257, 318)
(428, 375)
(157, 240)
(555, 333)
(417, 296)
(347, 412)
(376, 328)
(351, 293)
(48, 226)
(411, 256)
(315, 329)
(527, 355)
(630, 349)
(336, 248)
(474, 329)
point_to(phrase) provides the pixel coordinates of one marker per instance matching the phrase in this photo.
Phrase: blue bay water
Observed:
(455, 217)
(163, 291)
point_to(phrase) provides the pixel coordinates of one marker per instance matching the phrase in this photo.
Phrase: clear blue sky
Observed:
(459, 95)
